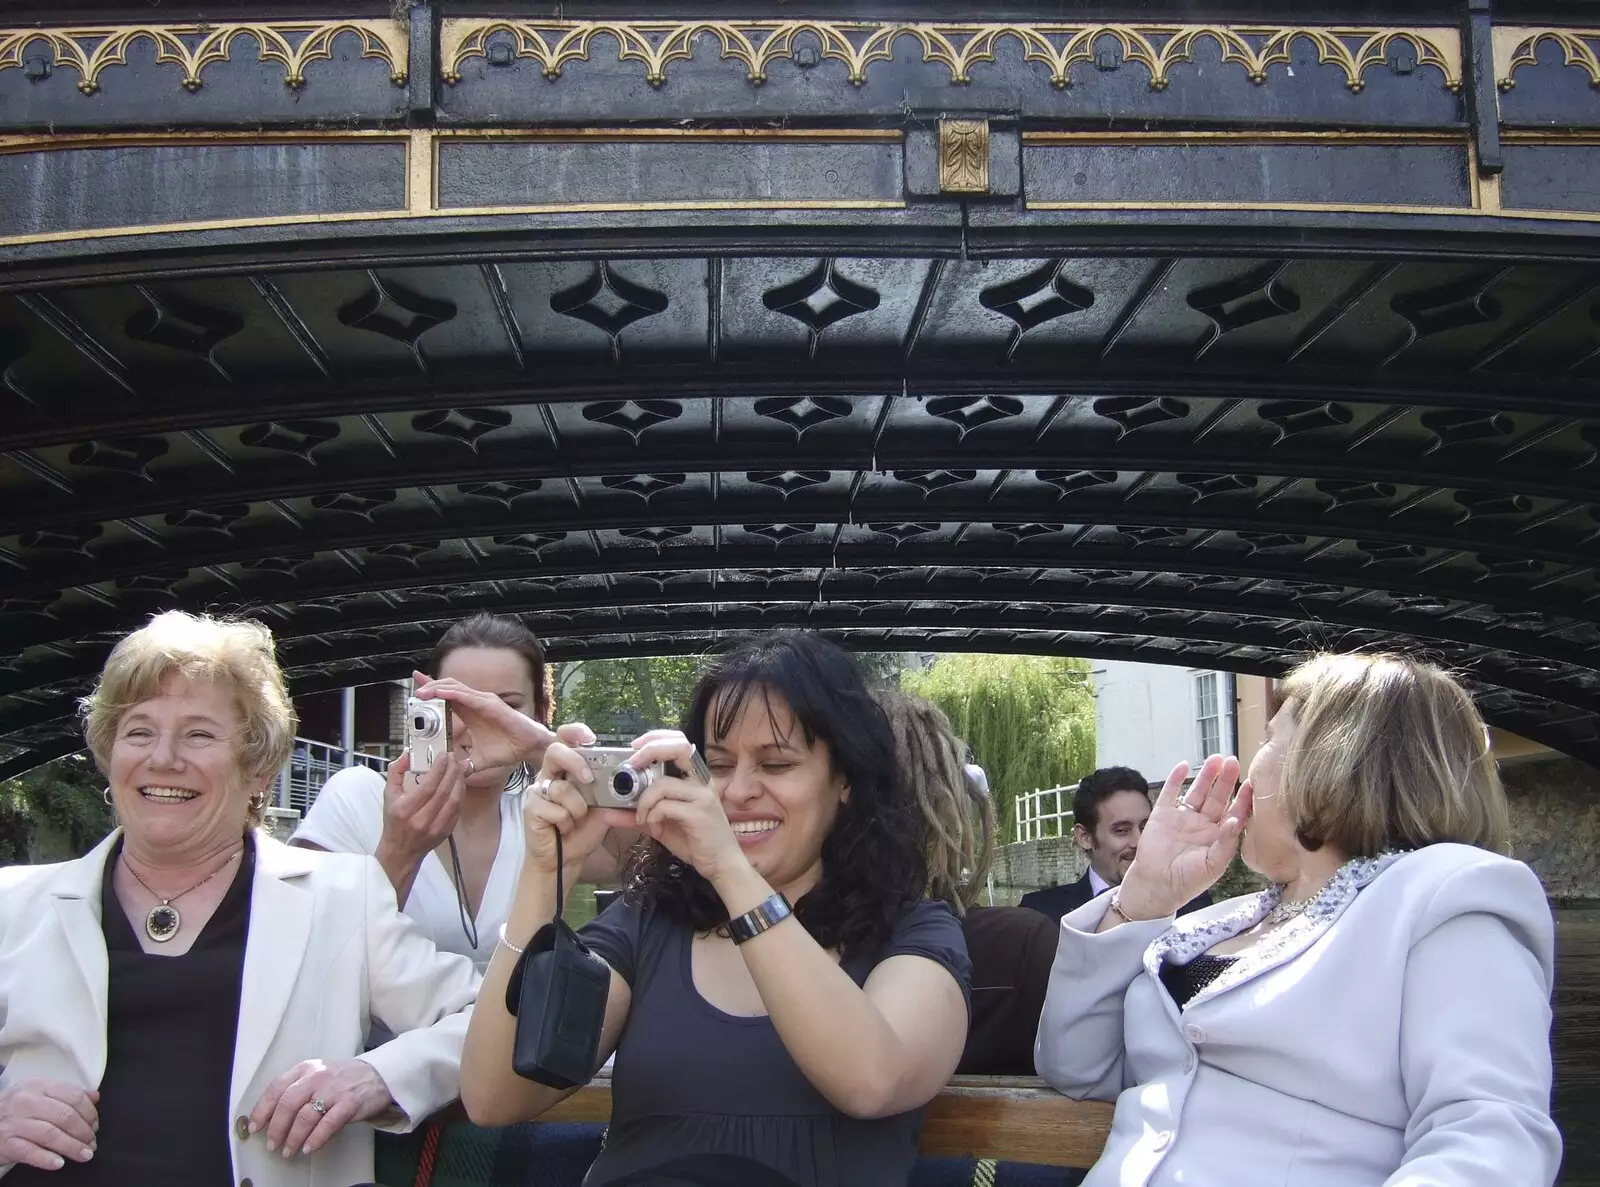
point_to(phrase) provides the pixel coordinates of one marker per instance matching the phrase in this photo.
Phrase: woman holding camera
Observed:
(782, 998)
(452, 852)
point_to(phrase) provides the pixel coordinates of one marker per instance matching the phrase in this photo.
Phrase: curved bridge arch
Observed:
(652, 365)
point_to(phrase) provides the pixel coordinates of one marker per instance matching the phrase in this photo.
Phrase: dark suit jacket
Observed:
(1011, 951)
(1057, 901)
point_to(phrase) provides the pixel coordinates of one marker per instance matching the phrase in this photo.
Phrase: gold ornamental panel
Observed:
(964, 156)
(292, 44)
(1515, 48)
(959, 47)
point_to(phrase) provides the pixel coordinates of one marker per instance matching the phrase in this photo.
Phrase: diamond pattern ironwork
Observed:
(355, 502)
(787, 482)
(804, 412)
(633, 417)
(609, 302)
(298, 437)
(397, 313)
(120, 455)
(466, 425)
(821, 298)
(646, 486)
(180, 324)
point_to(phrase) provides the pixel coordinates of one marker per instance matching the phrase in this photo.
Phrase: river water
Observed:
(1576, 1042)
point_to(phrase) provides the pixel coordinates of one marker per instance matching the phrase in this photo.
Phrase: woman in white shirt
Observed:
(453, 857)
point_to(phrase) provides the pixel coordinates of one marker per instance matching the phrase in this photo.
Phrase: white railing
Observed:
(309, 766)
(1045, 813)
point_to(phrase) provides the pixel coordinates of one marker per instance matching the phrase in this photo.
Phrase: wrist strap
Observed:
(766, 914)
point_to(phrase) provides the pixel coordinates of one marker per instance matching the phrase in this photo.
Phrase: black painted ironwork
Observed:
(674, 345)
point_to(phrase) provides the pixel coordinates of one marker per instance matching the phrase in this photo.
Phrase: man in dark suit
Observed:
(1109, 813)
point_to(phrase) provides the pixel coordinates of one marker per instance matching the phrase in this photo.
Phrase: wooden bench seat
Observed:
(1010, 1118)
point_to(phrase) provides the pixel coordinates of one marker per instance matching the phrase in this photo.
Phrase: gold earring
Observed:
(258, 801)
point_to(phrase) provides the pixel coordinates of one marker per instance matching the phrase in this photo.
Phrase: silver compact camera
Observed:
(617, 785)
(427, 733)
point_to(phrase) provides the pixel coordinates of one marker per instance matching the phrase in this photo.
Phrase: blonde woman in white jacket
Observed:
(188, 1002)
(1380, 1017)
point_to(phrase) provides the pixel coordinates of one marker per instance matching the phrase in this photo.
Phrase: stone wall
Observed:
(1555, 823)
(1555, 828)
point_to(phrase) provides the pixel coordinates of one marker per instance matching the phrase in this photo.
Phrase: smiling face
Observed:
(176, 781)
(1114, 843)
(488, 669)
(780, 793)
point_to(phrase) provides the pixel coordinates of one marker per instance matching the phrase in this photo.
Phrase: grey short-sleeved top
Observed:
(691, 1079)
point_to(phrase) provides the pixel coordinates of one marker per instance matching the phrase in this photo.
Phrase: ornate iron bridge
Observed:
(1137, 336)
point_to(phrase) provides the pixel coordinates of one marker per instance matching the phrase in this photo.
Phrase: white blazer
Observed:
(308, 992)
(1398, 1037)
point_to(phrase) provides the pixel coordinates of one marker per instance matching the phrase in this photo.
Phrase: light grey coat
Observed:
(1398, 1035)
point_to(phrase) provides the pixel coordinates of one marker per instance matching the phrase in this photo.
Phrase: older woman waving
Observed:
(187, 1003)
(1380, 1016)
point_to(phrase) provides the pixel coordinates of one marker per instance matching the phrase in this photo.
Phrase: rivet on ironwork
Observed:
(37, 68)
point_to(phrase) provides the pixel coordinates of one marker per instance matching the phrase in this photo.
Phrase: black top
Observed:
(1012, 950)
(1058, 901)
(692, 1080)
(1185, 981)
(171, 1022)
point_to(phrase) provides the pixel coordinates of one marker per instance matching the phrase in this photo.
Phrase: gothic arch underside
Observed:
(1205, 369)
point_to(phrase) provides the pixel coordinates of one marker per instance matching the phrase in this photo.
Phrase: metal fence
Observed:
(309, 766)
(1045, 813)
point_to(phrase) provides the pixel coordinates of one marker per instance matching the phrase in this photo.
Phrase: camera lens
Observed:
(627, 782)
(419, 723)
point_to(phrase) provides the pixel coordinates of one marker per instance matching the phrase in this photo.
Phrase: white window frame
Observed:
(1212, 686)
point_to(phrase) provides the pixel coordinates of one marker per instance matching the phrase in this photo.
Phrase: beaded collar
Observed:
(1185, 940)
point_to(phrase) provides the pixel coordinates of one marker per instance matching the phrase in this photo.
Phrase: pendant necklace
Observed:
(163, 921)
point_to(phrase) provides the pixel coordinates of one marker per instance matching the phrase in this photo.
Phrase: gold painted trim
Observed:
(1580, 216)
(292, 220)
(964, 156)
(65, 141)
(622, 134)
(1516, 47)
(553, 44)
(1243, 136)
(293, 44)
(422, 173)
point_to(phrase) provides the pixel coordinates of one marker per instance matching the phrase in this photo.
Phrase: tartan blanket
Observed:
(558, 1154)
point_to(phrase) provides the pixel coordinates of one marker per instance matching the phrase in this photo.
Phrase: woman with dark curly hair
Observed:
(783, 1000)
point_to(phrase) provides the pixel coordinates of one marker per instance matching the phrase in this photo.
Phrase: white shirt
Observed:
(978, 777)
(347, 817)
(1097, 884)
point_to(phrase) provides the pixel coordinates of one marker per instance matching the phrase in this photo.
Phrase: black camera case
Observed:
(557, 993)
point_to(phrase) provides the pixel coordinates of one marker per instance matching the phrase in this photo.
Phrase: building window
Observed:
(1211, 714)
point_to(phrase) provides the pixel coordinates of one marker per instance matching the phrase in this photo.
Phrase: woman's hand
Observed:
(685, 815)
(350, 1090)
(420, 811)
(45, 1122)
(1189, 840)
(554, 806)
(501, 736)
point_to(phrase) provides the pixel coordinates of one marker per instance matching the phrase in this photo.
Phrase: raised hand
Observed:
(420, 810)
(501, 736)
(555, 807)
(1188, 841)
(685, 815)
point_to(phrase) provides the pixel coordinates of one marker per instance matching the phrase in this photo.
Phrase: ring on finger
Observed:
(470, 767)
(318, 1105)
(541, 788)
(1187, 806)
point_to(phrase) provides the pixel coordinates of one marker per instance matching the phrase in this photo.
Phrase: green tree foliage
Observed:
(1028, 719)
(59, 802)
(627, 695)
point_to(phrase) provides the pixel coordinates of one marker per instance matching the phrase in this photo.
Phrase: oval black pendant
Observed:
(162, 923)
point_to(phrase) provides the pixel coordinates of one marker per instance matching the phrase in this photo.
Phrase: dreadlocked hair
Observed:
(958, 817)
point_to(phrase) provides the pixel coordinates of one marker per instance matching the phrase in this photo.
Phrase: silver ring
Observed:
(541, 788)
(319, 1106)
(470, 767)
(1187, 806)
